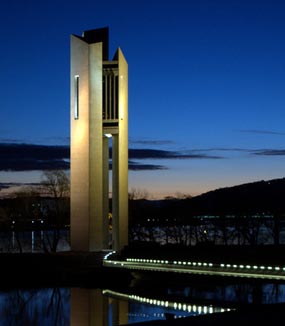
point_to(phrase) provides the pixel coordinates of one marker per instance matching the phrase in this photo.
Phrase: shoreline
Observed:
(70, 268)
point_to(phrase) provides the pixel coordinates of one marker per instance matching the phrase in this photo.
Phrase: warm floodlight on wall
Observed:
(76, 97)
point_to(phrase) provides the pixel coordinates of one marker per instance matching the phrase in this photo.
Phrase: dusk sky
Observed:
(206, 89)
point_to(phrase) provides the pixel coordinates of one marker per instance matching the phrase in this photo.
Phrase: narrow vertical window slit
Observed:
(76, 97)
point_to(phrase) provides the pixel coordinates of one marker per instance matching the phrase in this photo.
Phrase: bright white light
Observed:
(76, 97)
(108, 135)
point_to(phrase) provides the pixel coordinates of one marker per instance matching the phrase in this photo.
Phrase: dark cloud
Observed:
(220, 149)
(31, 157)
(134, 166)
(270, 152)
(162, 155)
(264, 152)
(9, 140)
(152, 142)
(263, 132)
(7, 185)
(46, 140)
(261, 152)
(27, 157)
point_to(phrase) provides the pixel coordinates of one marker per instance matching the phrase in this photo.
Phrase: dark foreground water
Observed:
(126, 303)
(139, 301)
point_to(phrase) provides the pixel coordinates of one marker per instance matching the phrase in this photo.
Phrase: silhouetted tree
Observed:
(56, 184)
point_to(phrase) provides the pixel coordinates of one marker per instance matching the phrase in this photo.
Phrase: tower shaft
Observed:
(99, 110)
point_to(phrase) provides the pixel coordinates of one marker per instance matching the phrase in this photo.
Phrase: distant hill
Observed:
(259, 197)
(255, 197)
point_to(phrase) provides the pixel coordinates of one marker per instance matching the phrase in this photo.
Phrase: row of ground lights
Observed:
(200, 264)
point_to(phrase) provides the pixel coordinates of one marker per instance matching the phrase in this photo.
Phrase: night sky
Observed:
(206, 89)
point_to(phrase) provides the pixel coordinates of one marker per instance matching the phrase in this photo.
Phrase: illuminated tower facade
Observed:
(99, 122)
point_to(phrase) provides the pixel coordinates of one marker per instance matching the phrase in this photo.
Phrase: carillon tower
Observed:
(99, 122)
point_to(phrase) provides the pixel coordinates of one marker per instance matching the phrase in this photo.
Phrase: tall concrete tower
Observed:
(99, 121)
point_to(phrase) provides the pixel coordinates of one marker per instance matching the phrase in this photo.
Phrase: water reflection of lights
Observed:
(193, 309)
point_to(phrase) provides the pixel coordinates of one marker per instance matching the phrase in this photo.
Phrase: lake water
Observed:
(32, 241)
(135, 302)
(127, 303)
